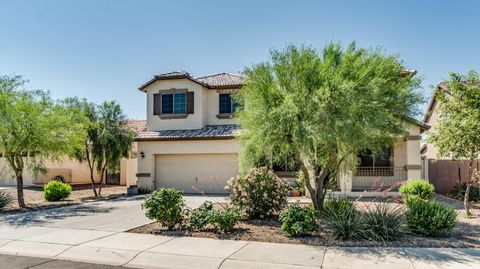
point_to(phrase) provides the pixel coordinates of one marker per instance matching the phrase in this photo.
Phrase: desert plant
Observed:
(297, 220)
(417, 189)
(347, 224)
(202, 215)
(56, 190)
(165, 206)
(225, 220)
(474, 193)
(430, 218)
(384, 221)
(260, 193)
(336, 207)
(5, 199)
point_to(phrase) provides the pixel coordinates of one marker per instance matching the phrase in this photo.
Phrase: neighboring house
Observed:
(442, 171)
(74, 172)
(189, 143)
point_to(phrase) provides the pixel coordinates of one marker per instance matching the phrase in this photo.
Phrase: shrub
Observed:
(143, 190)
(336, 207)
(202, 216)
(225, 220)
(5, 199)
(384, 221)
(56, 190)
(297, 220)
(165, 206)
(417, 189)
(260, 193)
(430, 218)
(474, 193)
(347, 224)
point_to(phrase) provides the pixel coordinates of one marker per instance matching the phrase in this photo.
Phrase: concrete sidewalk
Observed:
(152, 251)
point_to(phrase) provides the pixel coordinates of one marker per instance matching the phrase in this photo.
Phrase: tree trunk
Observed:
(465, 200)
(466, 203)
(102, 176)
(20, 199)
(91, 164)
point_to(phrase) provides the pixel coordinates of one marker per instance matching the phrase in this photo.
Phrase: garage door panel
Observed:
(194, 173)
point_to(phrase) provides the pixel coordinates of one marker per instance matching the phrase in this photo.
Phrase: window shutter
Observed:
(190, 103)
(157, 104)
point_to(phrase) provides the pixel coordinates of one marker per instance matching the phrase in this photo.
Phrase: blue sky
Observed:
(104, 50)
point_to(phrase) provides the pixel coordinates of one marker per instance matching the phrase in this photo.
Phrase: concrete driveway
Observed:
(116, 215)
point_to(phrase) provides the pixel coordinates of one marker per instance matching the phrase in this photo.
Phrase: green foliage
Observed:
(297, 220)
(165, 206)
(336, 207)
(430, 218)
(458, 130)
(225, 220)
(56, 190)
(35, 128)
(417, 189)
(347, 224)
(109, 138)
(5, 199)
(474, 193)
(260, 193)
(202, 215)
(323, 107)
(384, 221)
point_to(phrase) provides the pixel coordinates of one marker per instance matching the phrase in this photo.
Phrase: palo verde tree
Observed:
(324, 107)
(34, 128)
(114, 139)
(458, 129)
(108, 139)
(85, 153)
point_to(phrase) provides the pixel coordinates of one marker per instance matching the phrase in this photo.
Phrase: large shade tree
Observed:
(458, 131)
(323, 107)
(34, 128)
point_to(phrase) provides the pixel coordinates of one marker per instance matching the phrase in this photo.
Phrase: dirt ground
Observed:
(80, 194)
(465, 234)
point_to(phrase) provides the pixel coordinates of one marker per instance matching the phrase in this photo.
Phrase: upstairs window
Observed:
(227, 105)
(174, 103)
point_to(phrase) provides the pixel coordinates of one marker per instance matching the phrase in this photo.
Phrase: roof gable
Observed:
(226, 80)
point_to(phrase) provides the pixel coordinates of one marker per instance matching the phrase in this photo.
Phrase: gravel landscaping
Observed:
(80, 194)
(465, 235)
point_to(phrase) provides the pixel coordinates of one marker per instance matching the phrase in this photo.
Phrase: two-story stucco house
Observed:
(189, 143)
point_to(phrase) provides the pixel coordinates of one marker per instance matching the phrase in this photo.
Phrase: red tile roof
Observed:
(208, 132)
(226, 80)
(138, 125)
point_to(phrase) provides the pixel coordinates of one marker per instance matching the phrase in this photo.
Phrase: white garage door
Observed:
(194, 173)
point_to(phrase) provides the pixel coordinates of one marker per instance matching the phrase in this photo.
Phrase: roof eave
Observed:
(184, 138)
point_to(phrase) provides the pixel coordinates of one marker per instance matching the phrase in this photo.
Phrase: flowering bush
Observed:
(260, 193)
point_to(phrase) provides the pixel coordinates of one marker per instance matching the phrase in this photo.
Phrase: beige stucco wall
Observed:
(150, 149)
(206, 107)
(192, 121)
(213, 110)
(73, 171)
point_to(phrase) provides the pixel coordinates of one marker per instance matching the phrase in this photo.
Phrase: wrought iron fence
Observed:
(378, 178)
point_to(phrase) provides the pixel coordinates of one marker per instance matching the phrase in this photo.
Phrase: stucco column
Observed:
(346, 183)
(145, 169)
(413, 161)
